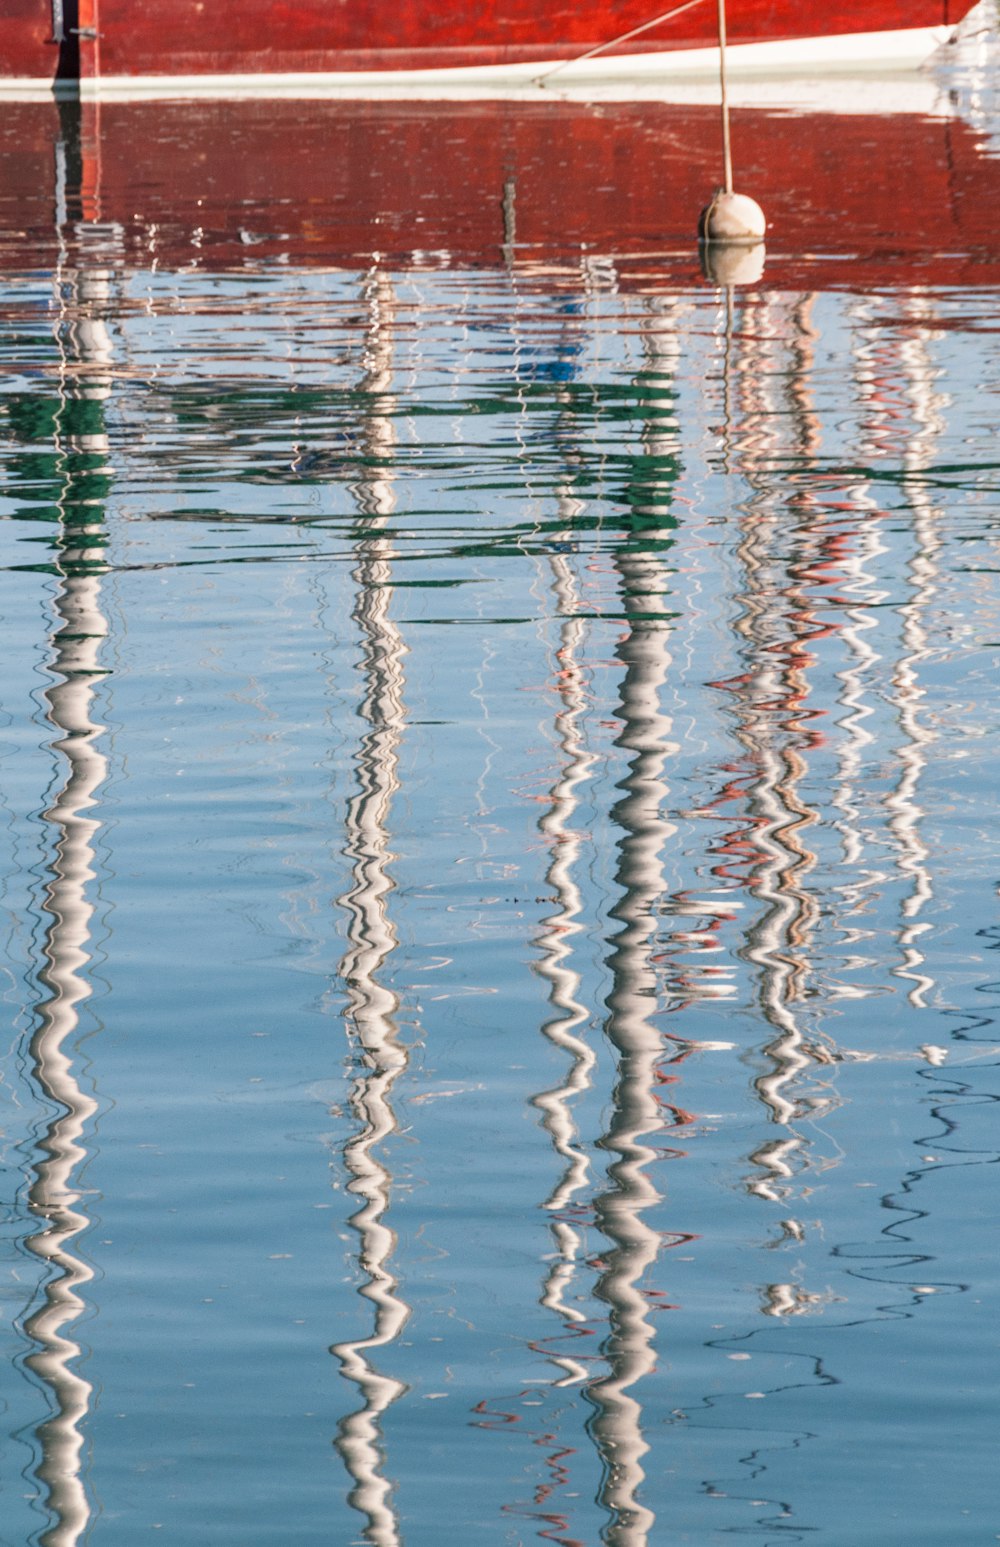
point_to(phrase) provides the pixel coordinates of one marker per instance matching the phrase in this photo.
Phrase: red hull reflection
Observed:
(873, 200)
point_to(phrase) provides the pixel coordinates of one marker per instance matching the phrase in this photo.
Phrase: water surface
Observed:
(499, 833)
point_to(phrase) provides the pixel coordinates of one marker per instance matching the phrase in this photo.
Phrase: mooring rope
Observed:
(612, 43)
(727, 152)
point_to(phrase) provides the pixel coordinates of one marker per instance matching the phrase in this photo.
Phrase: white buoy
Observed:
(730, 217)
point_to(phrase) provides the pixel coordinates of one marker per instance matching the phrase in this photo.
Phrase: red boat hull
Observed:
(127, 39)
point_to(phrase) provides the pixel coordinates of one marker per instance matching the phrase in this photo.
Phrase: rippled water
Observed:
(500, 830)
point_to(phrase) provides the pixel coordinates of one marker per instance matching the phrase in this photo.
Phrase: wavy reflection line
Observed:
(927, 410)
(777, 625)
(637, 1111)
(81, 446)
(555, 965)
(769, 695)
(556, 937)
(904, 418)
(371, 1006)
(860, 633)
(619, 1211)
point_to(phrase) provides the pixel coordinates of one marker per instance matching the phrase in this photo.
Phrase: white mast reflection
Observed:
(771, 697)
(371, 1008)
(645, 736)
(918, 373)
(81, 446)
(775, 765)
(635, 1244)
(860, 634)
(556, 943)
(902, 416)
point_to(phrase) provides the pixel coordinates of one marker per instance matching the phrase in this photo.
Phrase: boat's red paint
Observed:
(27, 47)
(276, 35)
(259, 37)
(874, 200)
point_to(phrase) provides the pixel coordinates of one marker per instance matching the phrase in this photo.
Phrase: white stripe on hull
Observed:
(624, 75)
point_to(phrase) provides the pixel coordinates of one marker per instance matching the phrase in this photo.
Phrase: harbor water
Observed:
(500, 833)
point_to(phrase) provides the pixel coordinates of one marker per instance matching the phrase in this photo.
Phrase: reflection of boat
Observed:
(106, 46)
(424, 186)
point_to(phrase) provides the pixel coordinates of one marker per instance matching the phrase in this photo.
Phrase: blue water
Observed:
(499, 864)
